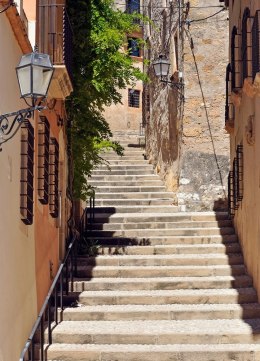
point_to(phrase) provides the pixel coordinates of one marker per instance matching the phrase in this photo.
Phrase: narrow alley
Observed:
(158, 284)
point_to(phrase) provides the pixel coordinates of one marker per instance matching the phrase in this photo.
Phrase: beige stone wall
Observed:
(205, 150)
(17, 255)
(186, 139)
(246, 132)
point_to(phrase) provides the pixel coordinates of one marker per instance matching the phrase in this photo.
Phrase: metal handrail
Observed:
(66, 271)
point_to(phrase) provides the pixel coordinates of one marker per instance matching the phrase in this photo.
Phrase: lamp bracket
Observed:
(11, 122)
(173, 84)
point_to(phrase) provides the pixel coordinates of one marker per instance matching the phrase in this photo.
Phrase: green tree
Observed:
(101, 67)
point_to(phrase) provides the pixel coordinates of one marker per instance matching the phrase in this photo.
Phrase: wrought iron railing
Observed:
(56, 34)
(41, 334)
(88, 216)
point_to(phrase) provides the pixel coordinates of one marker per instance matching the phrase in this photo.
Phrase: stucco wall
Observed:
(246, 132)
(17, 248)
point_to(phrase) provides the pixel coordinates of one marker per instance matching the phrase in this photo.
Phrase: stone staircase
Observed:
(165, 285)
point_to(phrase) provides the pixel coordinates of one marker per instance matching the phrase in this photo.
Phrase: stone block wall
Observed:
(185, 138)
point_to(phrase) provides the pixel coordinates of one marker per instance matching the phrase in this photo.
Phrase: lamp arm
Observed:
(7, 126)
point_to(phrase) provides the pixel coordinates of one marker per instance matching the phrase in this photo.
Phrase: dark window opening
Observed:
(255, 45)
(133, 6)
(235, 182)
(43, 160)
(245, 43)
(133, 47)
(27, 172)
(54, 178)
(235, 61)
(133, 98)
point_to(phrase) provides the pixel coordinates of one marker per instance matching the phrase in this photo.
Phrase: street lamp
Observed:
(161, 68)
(34, 74)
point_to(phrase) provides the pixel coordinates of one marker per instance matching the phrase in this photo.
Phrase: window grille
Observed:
(229, 107)
(235, 182)
(240, 172)
(231, 208)
(255, 45)
(133, 6)
(43, 160)
(235, 60)
(27, 172)
(245, 44)
(133, 47)
(54, 178)
(133, 98)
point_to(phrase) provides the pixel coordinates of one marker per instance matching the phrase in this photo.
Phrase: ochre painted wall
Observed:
(17, 249)
(246, 132)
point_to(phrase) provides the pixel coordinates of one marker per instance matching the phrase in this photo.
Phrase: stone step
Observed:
(183, 352)
(241, 295)
(160, 240)
(136, 209)
(158, 271)
(128, 156)
(162, 312)
(161, 283)
(127, 161)
(164, 260)
(134, 172)
(158, 332)
(135, 195)
(165, 231)
(173, 249)
(130, 178)
(134, 202)
(163, 217)
(161, 225)
(127, 166)
(147, 186)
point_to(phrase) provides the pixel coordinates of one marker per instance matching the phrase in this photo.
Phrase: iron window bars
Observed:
(235, 182)
(133, 98)
(133, 47)
(43, 159)
(245, 43)
(235, 60)
(54, 178)
(27, 172)
(255, 45)
(229, 107)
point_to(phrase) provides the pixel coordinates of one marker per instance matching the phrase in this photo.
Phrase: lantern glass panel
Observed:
(41, 80)
(24, 79)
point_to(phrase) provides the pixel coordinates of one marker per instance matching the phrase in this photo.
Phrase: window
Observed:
(133, 6)
(54, 178)
(133, 47)
(255, 45)
(43, 160)
(235, 72)
(235, 182)
(244, 47)
(133, 98)
(27, 172)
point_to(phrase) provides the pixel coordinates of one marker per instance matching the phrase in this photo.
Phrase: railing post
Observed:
(49, 324)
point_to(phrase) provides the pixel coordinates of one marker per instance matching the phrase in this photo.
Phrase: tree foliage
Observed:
(101, 67)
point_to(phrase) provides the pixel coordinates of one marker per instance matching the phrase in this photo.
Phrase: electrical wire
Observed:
(208, 17)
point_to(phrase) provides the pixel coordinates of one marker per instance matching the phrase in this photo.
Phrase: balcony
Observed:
(55, 39)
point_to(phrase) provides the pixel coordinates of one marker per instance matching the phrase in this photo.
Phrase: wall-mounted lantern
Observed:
(161, 68)
(34, 74)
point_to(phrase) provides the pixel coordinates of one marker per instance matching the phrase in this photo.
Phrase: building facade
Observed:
(126, 117)
(242, 112)
(185, 137)
(34, 207)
